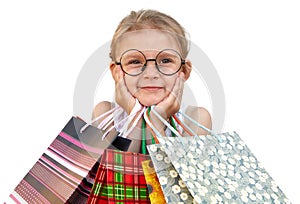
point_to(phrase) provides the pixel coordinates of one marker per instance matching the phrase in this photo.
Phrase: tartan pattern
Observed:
(120, 179)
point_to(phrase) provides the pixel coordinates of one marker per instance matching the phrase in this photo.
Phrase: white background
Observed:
(254, 45)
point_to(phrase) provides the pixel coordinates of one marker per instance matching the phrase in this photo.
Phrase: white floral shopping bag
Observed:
(219, 168)
(173, 187)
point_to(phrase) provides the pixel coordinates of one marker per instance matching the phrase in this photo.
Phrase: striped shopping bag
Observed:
(120, 179)
(66, 170)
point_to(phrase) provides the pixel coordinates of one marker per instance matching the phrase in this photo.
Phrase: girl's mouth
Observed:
(151, 88)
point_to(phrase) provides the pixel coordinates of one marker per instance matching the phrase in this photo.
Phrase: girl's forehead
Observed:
(146, 40)
(148, 53)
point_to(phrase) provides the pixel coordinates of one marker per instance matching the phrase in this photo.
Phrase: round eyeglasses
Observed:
(133, 62)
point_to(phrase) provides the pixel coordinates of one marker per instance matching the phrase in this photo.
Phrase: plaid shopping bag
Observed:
(221, 168)
(120, 179)
(66, 170)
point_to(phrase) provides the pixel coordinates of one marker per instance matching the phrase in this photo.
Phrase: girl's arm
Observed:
(100, 109)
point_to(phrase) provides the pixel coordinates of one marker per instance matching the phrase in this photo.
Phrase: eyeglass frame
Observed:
(182, 62)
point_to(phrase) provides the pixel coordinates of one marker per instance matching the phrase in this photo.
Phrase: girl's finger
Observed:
(119, 74)
(175, 94)
(178, 86)
(123, 97)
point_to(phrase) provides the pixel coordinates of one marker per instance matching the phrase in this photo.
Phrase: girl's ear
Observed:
(113, 70)
(187, 68)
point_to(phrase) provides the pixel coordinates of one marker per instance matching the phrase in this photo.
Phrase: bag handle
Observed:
(106, 122)
(99, 117)
(137, 108)
(154, 131)
(173, 130)
(201, 126)
(157, 134)
(164, 121)
(180, 123)
(196, 123)
(124, 132)
(144, 127)
(184, 126)
(109, 119)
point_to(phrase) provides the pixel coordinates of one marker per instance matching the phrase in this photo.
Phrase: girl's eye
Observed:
(165, 60)
(135, 62)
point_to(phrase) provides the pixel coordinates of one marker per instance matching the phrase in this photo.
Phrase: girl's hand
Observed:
(171, 104)
(123, 97)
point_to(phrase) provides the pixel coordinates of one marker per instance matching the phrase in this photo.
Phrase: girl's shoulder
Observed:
(201, 115)
(197, 111)
(101, 108)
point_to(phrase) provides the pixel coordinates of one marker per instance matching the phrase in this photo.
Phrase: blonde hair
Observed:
(150, 19)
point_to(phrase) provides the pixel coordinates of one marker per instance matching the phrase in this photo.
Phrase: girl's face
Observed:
(151, 86)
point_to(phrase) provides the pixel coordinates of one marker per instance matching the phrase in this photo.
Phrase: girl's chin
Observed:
(150, 102)
(149, 99)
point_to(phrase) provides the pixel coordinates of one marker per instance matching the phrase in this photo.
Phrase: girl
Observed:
(149, 67)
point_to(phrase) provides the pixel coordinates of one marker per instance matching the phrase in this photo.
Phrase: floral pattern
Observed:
(220, 169)
(174, 188)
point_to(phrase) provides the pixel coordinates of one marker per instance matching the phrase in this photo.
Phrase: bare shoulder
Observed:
(202, 116)
(101, 108)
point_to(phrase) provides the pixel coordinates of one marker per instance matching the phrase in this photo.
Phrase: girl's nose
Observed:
(150, 70)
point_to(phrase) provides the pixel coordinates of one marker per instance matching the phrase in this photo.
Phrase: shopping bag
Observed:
(220, 168)
(173, 187)
(66, 170)
(120, 179)
(156, 194)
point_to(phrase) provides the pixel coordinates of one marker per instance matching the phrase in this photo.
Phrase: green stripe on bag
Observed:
(118, 159)
(119, 177)
(143, 192)
(129, 192)
(97, 188)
